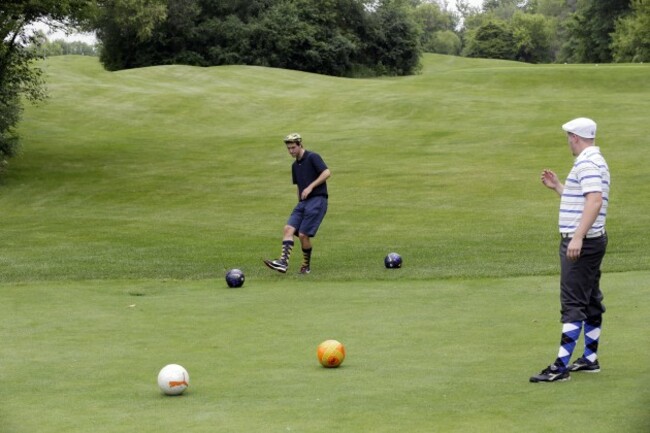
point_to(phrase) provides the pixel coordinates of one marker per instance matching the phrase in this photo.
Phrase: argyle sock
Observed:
(287, 246)
(570, 335)
(592, 336)
(306, 257)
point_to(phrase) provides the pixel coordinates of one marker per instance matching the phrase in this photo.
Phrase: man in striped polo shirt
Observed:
(583, 210)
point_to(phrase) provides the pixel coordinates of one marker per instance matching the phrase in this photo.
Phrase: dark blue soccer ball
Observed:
(393, 261)
(235, 278)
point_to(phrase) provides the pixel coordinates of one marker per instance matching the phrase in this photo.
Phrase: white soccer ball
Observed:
(173, 379)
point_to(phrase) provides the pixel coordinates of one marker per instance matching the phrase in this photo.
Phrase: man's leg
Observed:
(315, 210)
(282, 263)
(588, 362)
(305, 243)
(593, 253)
(571, 299)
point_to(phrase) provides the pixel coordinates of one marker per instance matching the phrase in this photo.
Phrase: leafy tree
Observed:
(434, 21)
(560, 9)
(559, 14)
(393, 42)
(18, 76)
(591, 28)
(503, 9)
(492, 40)
(631, 40)
(312, 36)
(123, 25)
(533, 35)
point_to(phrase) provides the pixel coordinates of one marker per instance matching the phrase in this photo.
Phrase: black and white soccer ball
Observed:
(393, 261)
(235, 278)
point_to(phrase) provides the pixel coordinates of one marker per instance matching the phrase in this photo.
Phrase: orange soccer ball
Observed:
(330, 353)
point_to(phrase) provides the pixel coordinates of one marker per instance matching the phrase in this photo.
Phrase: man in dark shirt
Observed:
(309, 173)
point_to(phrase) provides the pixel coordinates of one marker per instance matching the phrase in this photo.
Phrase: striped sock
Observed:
(287, 246)
(592, 336)
(306, 257)
(570, 335)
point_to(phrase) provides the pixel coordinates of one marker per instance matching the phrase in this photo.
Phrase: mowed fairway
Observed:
(135, 191)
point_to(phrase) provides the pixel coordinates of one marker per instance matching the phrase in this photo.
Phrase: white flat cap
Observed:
(583, 127)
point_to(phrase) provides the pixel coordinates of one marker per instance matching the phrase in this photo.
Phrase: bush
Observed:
(492, 40)
(445, 42)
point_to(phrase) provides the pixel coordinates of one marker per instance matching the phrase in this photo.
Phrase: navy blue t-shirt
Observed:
(306, 170)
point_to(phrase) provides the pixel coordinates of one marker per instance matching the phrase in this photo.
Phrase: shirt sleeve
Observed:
(590, 177)
(318, 163)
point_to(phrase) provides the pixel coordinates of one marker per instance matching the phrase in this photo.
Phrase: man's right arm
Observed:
(551, 181)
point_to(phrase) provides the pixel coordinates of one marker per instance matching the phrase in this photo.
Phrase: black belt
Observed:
(595, 235)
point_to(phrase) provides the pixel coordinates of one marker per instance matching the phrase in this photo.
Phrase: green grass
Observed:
(451, 356)
(180, 172)
(136, 190)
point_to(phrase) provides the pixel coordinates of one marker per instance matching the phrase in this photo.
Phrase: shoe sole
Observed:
(585, 371)
(271, 265)
(550, 381)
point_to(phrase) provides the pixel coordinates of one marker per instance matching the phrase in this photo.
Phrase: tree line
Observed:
(559, 31)
(332, 37)
(61, 47)
(369, 37)
(351, 38)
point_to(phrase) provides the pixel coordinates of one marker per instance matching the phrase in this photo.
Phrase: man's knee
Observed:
(289, 230)
(572, 313)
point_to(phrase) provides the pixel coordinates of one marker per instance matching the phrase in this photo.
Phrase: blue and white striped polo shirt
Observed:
(590, 173)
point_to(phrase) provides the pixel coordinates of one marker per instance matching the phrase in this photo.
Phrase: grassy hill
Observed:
(136, 190)
(180, 172)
